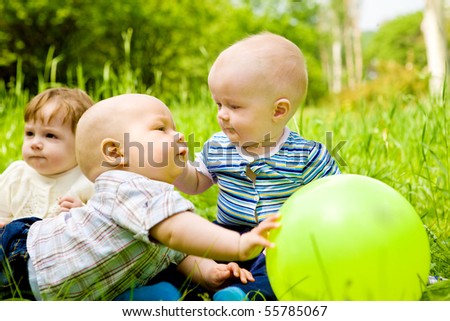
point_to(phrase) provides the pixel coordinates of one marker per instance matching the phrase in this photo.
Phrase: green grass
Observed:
(401, 140)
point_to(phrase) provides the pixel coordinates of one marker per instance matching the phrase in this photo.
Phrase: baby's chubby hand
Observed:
(252, 243)
(67, 202)
(221, 275)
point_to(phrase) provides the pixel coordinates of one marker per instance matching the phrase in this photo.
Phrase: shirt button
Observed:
(256, 198)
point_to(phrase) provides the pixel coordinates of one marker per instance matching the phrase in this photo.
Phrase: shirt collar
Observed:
(251, 158)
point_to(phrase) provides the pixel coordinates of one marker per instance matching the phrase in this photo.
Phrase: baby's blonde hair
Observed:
(72, 102)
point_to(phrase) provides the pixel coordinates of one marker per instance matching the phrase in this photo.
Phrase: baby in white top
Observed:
(47, 181)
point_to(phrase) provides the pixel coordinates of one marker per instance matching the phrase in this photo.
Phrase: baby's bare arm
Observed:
(190, 233)
(192, 181)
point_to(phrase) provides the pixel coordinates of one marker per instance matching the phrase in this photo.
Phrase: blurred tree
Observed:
(352, 40)
(341, 50)
(29, 29)
(336, 14)
(336, 18)
(433, 28)
(169, 36)
(399, 40)
(169, 43)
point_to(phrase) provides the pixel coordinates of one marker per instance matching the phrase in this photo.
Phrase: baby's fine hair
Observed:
(72, 102)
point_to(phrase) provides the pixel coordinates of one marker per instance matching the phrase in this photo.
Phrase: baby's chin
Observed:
(45, 169)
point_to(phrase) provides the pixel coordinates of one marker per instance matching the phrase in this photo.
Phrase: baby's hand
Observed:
(223, 274)
(253, 242)
(67, 202)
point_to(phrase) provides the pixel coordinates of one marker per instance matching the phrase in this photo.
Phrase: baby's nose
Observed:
(179, 137)
(222, 114)
(36, 143)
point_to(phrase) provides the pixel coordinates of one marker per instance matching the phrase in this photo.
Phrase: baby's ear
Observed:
(112, 153)
(282, 109)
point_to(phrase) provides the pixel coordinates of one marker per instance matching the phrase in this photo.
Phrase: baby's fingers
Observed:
(65, 206)
(242, 274)
(246, 276)
(270, 223)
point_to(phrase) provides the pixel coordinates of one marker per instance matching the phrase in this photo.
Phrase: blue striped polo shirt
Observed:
(242, 201)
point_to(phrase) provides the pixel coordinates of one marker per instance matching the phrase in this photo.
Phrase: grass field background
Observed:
(401, 140)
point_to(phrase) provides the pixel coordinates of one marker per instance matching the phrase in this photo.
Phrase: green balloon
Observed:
(348, 237)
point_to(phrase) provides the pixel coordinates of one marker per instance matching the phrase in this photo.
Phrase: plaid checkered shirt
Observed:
(98, 251)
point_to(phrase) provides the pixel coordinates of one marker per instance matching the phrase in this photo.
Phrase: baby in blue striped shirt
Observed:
(258, 84)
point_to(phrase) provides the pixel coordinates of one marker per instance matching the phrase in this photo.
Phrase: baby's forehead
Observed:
(56, 116)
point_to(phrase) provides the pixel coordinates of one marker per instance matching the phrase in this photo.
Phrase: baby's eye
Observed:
(50, 135)
(219, 105)
(235, 107)
(29, 133)
(162, 129)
